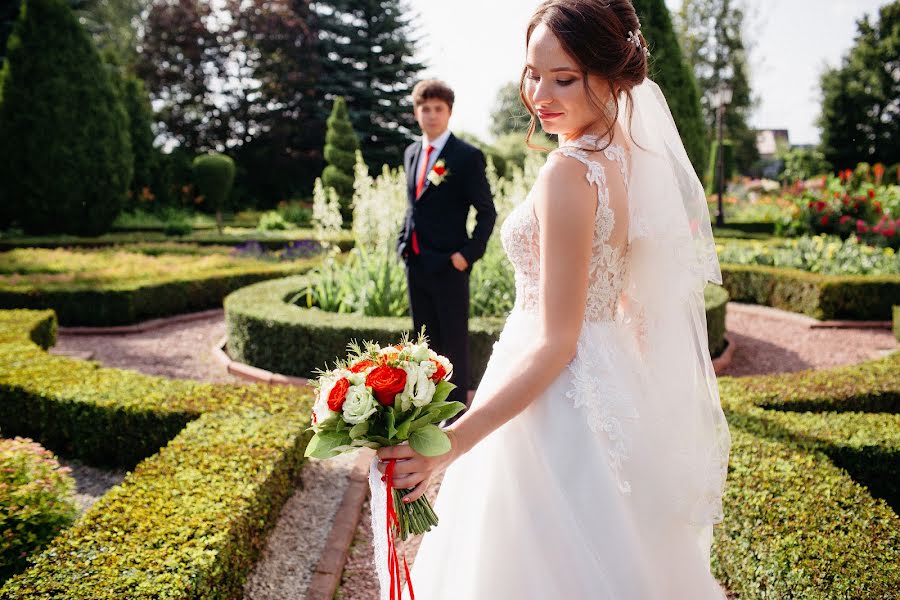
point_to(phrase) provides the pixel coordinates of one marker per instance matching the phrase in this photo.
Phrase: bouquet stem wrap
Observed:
(384, 519)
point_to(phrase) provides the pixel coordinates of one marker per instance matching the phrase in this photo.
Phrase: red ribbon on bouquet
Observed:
(391, 519)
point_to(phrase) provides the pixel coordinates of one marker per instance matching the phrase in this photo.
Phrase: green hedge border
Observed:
(125, 304)
(812, 498)
(867, 298)
(344, 242)
(190, 520)
(261, 326)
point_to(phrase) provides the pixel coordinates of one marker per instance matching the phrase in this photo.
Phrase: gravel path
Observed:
(768, 341)
(179, 350)
(773, 341)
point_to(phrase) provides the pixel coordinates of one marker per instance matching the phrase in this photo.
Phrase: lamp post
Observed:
(721, 97)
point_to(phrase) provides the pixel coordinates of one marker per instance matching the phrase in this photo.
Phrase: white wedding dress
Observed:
(581, 496)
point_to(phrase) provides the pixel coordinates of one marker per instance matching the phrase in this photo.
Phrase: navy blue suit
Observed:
(438, 292)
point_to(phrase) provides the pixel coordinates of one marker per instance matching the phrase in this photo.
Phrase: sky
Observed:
(478, 45)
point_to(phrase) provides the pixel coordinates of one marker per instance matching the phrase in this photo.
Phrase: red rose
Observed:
(439, 170)
(338, 394)
(843, 220)
(861, 226)
(890, 232)
(878, 207)
(440, 373)
(824, 220)
(361, 366)
(871, 194)
(386, 382)
(820, 206)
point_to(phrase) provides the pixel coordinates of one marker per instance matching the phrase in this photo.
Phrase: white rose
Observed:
(359, 405)
(320, 408)
(356, 378)
(424, 389)
(419, 352)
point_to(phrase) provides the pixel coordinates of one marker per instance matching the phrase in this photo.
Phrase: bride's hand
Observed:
(413, 470)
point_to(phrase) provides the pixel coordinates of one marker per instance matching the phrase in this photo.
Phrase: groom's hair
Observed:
(432, 89)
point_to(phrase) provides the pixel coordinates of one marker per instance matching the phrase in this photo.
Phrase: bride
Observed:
(592, 461)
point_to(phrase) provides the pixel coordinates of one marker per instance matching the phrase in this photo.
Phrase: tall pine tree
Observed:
(674, 76)
(860, 117)
(65, 152)
(711, 34)
(368, 58)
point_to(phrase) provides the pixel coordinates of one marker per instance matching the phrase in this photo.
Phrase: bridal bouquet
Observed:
(383, 397)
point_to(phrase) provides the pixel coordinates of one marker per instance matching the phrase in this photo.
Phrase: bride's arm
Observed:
(565, 204)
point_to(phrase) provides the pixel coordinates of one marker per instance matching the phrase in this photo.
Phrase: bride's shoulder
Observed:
(561, 184)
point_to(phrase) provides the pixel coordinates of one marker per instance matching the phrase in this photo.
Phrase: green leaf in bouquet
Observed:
(359, 430)
(391, 418)
(442, 390)
(327, 444)
(380, 440)
(404, 427)
(446, 411)
(429, 441)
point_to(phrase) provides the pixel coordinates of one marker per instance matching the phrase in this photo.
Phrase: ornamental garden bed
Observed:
(214, 465)
(265, 330)
(812, 497)
(118, 286)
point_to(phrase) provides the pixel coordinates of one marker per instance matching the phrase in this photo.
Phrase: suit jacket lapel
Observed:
(411, 172)
(448, 148)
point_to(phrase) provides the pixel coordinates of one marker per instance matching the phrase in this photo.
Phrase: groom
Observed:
(445, 176)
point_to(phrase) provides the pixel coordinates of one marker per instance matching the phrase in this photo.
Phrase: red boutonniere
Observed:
(438, 173)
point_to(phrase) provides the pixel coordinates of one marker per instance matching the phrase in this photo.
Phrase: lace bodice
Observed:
(520, 235)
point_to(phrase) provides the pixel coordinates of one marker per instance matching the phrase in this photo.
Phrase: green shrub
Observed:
(188, 522)
(272, 221)
(36, 501)
(712, 171)
(65, 153)
(814, 484)
(341, 145)
(819, 296)
(716, 302)
(262, 323)
(828, 255)
(214, 176)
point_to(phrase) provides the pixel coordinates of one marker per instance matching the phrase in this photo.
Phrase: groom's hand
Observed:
(459, 261)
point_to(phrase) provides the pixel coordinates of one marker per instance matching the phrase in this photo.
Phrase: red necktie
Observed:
(420, 186)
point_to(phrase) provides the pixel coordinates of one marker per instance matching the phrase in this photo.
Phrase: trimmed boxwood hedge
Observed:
(267, 332)
(812, 497)
(123, 304)
(716, 304)
(269, 241)
(820, 296)
(190, 521)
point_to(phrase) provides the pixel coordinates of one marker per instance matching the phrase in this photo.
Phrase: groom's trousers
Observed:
(440, 302)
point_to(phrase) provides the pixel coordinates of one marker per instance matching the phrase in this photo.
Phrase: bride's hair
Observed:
(600, 36)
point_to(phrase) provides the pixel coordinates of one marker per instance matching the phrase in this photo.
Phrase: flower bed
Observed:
(116, 287)
(812, 497)
(262, 325)
(190, 520)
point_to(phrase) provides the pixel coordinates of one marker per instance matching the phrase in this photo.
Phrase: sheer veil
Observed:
(672, 256)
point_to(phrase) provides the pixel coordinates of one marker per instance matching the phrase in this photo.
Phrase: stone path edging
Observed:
(327, 577)
(141, 327)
